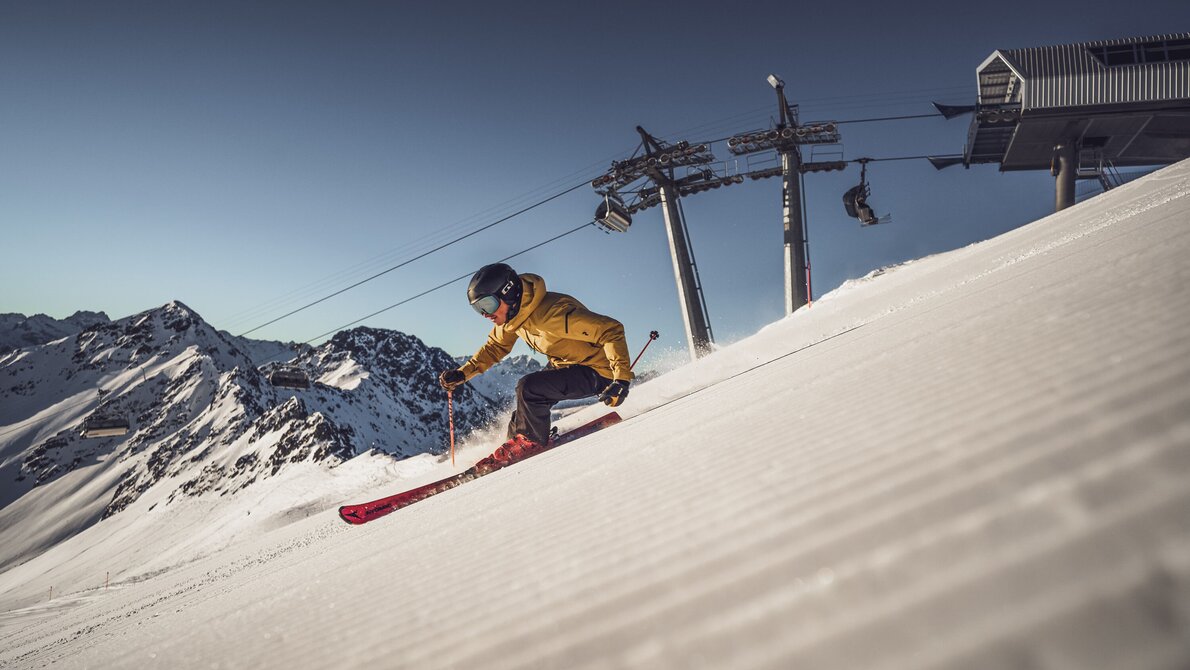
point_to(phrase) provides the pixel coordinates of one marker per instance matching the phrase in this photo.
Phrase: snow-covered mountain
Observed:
(18, 331)
(203, 419)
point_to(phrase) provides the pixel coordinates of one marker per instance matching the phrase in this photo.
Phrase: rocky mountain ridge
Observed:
(205, 420)
(18, 331)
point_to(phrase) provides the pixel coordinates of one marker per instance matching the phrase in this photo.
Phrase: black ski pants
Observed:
(538, 392)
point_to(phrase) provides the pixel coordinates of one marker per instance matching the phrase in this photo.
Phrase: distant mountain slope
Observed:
(203, 418)
(18, 331)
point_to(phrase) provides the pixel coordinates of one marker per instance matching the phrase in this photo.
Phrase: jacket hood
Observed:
(532, 293)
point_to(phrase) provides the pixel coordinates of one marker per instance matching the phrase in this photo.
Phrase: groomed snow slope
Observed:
(976, 460)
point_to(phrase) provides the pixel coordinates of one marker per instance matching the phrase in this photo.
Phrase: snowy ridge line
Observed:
(751, 369)
(1103, 220)
(1107, 220)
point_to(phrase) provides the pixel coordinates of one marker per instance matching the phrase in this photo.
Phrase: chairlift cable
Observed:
(20, 425)
(890, 118)
(445, 284)
(418, 257)
(894, 158)
(833, 102)
(313, 288)
(32, 421)
(370, 265)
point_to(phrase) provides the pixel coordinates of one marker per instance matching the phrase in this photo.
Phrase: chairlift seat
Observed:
(612, 215)
(104, 427)
(289, 379)
(855, 199)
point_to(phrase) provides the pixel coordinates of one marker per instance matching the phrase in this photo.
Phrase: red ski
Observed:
(365, 512)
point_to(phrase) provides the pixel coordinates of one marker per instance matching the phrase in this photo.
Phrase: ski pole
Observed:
(450, 412)
(652, 336)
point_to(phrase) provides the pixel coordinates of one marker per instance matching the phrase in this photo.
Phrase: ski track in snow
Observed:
(975, 460)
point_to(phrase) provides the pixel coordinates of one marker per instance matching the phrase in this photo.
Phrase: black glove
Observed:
(615, 393)
(451, 379)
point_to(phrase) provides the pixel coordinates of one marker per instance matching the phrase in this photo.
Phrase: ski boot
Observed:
(516, 449)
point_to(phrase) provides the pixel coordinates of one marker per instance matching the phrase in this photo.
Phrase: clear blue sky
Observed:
(245, 158)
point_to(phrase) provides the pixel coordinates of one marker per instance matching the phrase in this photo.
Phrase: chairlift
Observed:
(855, 200)
(612, 215)
(101, 426)
(289, 377)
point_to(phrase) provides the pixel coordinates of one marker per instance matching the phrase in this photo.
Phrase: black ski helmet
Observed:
(497, 280)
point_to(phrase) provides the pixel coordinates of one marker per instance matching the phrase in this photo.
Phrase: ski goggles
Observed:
(486, 305)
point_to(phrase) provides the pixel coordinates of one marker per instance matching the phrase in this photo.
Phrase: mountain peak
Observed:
(83, 318)
(178, 317)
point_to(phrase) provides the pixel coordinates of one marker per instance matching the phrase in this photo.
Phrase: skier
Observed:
(587, 352)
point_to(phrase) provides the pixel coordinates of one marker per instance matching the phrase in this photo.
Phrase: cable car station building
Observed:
(1081, 110)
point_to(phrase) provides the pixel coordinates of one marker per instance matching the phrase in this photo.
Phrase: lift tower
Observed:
(663, 174)
(698, 329)
(797, 275)
(786, 139)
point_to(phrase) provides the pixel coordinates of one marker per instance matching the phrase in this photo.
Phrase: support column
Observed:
(698, 331)
(796, 292)
(1065, 170)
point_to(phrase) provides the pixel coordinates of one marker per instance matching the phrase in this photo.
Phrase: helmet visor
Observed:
(486, 305)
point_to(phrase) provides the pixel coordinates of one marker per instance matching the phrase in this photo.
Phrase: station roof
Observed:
(1126, 99)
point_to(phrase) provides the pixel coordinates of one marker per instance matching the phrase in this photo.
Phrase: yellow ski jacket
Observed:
(560, 327)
